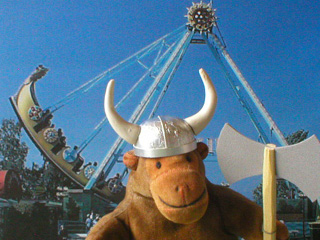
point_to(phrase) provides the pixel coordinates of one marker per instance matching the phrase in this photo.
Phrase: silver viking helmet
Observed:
(163, 136)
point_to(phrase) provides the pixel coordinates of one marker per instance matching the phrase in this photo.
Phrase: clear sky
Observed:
(274, 43)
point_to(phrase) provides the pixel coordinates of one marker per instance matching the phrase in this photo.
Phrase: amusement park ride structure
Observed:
(159, 60)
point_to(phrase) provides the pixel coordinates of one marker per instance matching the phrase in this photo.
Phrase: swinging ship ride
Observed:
(168, 53)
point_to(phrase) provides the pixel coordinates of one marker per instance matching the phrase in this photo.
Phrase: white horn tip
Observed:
(204, 75)
(201, 119)
(108, 101)
(110, 84)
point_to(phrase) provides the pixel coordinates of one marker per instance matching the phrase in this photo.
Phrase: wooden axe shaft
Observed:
(269, 193)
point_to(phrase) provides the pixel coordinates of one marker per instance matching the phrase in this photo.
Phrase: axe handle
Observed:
(269, 193)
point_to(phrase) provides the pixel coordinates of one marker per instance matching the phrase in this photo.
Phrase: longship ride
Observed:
(51, 142)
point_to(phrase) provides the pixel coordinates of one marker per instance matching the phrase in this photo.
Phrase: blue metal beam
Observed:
(236, 91)
(272, 125)
(119, 145)
(174, 68)
(113, 70)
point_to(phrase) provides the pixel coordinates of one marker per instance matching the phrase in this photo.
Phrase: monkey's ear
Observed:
(130, 160)
(202, 150)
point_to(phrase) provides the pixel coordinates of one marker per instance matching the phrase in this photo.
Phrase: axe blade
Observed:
(300, 164)
(239, 157)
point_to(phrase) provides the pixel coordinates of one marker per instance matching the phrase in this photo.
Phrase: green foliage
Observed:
(13, 152)
(53, 178)
(257, 194)
(297, 136)
(32, 179)
(14, 219)
(283, 191)
(32, 222)
(41, 182)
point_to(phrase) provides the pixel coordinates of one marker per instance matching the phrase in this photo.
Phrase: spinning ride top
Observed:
(201, 17)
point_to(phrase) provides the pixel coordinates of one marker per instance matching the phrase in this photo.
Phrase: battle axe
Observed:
(240, 157)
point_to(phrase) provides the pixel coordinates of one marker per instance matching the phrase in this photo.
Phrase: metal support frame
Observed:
(113, 70)
(169, 51)
(167, 69)
(159, 44)
(118, 146)
(236, 91)
(263, 111)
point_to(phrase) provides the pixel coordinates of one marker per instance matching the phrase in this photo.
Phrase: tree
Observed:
(14, 218)
(13, 152)
(297, 137)
(53, 178)
(283, 187)
(31, 222)
(32, 179)
(41, 182)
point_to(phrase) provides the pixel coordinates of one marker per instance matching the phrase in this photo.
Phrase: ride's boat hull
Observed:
(46, 138)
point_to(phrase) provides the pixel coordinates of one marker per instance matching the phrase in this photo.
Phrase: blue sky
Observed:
(275, 44)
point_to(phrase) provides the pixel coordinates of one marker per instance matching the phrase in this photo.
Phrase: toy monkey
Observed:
(167, 195)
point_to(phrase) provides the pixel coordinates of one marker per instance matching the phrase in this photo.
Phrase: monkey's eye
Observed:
(189, 159)
(158, 165)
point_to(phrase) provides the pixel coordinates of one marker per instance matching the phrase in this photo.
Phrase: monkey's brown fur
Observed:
(170, 198)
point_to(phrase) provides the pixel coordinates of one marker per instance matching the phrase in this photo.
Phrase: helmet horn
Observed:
(201, 119)
(128, 131)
